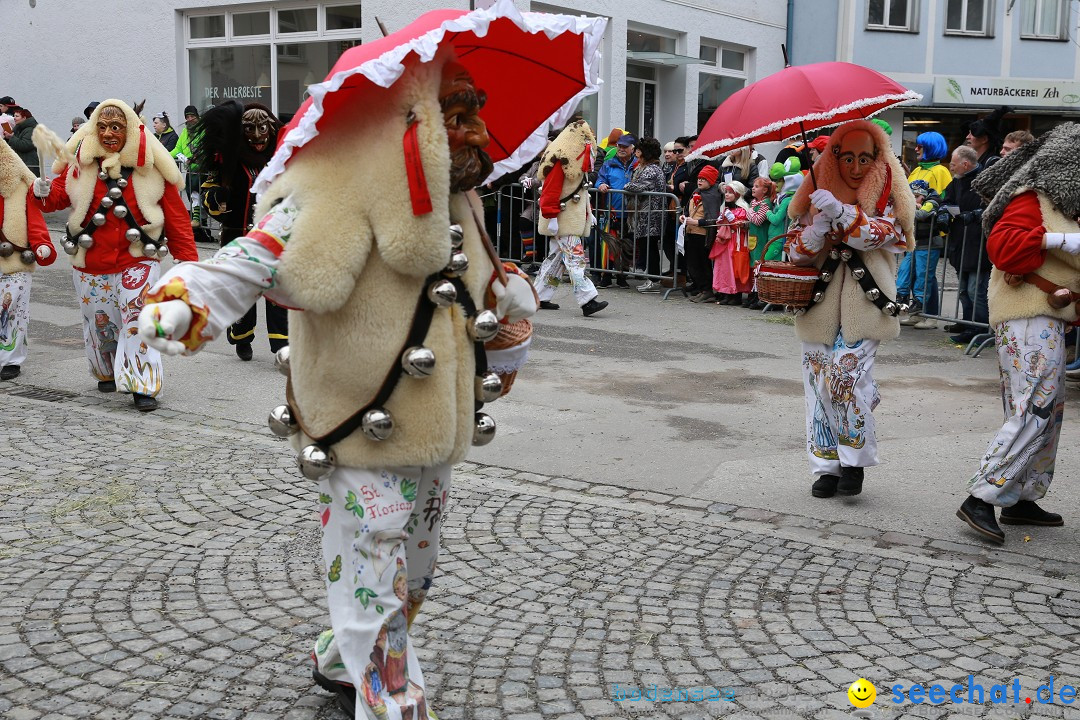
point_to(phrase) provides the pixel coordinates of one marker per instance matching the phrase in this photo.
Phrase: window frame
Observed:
(912, 25)
(987, 30)
(1063, 22)
(718, 65)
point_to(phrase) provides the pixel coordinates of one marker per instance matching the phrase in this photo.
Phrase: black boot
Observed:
(10, 372)
(345, 692)
(106, 386)
(850, 481)
(545, 305)
(824, 486)
(244, 352)
(979, 515)
(593, 306)
(1026, 512)
(144, 403)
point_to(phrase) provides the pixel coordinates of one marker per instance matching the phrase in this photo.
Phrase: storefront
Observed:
(1038, 106)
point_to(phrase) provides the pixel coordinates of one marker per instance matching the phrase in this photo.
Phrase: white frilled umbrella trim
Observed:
(388, 67)
(897, 99)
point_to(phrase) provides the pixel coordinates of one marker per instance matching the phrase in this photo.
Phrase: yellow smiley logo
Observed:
(862, 693)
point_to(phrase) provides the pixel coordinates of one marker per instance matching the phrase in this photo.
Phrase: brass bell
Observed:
(281, 357)
(826, 276)
(98, 219)
(121, 183)
(115, 193)
(149, 249)
(103, 175)
(120, 211)
(6, 249)
(457, 236)
(873, 294)
(70, 248)
(484, 326)
(377, 424)
(132, 235)
(442, 292)
(845, 255)
(859, 273)
(107, 202)
(281, 422)
(85, 241)
(819, 296)
(316, 463)
(834, 254)
(483, 430)
(489, 387)
(1013, 280)
(418, 361)
(890, 308)
(459, 263)
(27, 257)
(1060, 298)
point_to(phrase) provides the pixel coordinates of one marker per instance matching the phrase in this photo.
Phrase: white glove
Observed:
(527, 183)
(553, 226)
(728, 215)
(44, 252)
(42, 187)
(813, 236)
(827, 204)
(516, 300)
(1069, 242)
(181, 158)
(159, 323)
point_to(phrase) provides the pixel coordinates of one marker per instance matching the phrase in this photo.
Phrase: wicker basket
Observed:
(783, 283)
(509, 336)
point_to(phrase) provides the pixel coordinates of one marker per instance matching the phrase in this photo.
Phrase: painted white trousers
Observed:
(110, 306)
(1019, 464)
(567, 255)
(380, 547)
(14, 317)
(841, 394)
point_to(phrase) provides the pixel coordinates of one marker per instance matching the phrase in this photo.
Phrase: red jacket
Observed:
(36, 232)
(1015, 244)
(109, 253)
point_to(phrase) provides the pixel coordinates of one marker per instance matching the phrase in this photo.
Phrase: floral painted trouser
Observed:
(380, 546)
(840, 396)
(1019, 464)
(14, 317)
(110, 305)
(567, 253)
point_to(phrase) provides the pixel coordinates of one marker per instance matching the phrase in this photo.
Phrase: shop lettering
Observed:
(1010, 92)
(234, 92)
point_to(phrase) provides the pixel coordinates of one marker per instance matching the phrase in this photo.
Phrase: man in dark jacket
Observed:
(967, 245)
(20, 140)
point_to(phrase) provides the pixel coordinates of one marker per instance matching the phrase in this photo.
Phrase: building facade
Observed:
(966, 57)
(666, 63)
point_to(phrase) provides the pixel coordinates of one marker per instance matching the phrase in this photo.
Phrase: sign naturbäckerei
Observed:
(979, 91)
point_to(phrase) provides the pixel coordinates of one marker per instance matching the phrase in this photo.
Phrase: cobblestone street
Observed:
(167, 567)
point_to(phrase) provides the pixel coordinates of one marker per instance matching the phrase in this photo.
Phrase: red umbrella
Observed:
(534, 67)
(797, 99)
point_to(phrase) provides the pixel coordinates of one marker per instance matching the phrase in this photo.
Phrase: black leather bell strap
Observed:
(90, 228)
(828, 269)
(869, 285)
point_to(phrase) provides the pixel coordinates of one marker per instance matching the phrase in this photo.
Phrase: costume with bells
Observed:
(236, 142)
(854, 244)
(379, 407)
(126, 214)
(1033, 241)
(24, 243)
(566, 215)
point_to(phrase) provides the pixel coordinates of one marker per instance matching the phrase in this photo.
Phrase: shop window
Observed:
(343, 17)
(252, 23)
(1045, 20)
(732, 59)
(894, 15)
(712, 91)
(207, 26)
(727, 57)
(969, 17)
(303, 64)
(637, 41)
(298, 21)
(708, 54)
(218, 74)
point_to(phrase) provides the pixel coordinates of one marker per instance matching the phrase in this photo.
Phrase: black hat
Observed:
(7, 100)
(89, 110)
(191, 110)
(989, 126)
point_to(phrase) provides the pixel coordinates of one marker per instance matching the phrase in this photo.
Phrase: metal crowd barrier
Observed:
(192, 194)
(616, 246)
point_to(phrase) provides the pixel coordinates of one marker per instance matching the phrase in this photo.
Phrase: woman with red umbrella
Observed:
(862, 216)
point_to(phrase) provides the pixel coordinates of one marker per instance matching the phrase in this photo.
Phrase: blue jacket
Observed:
(614, 174)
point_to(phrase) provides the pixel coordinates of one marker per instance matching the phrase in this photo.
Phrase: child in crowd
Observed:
(730, 255)
(763, 199)
(704, 208)
(917, 276)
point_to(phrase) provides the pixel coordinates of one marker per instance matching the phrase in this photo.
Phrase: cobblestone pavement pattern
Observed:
(162, 567)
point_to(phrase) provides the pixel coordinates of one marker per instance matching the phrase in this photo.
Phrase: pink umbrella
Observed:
(797, 99)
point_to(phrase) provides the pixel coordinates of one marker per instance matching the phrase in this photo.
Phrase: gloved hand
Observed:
(45, 255)
(181, 158)
(553, 226)
(813, 236)
(827, 204)
(516, 300)
(1069, 242)
(527, 182)
(728, 215)
(160, 323)
(42, 187)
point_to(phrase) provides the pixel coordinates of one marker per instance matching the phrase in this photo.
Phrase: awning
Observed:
(661, 58)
